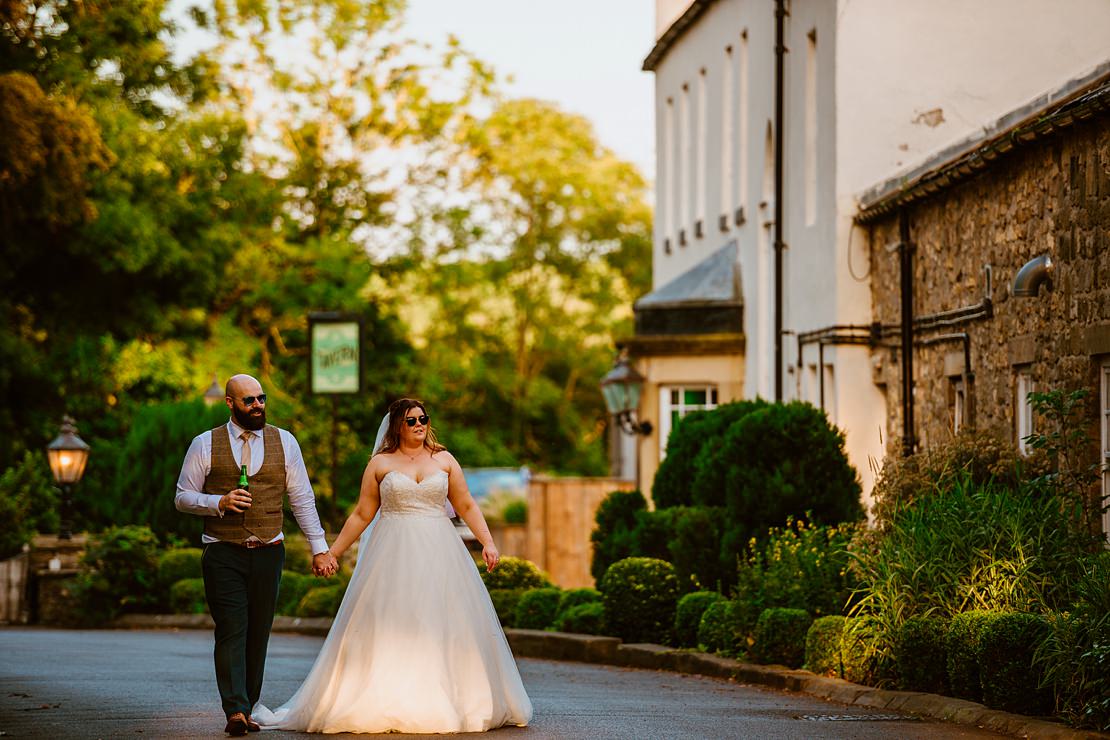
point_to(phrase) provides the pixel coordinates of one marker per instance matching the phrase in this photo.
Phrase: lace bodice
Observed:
(402, 495)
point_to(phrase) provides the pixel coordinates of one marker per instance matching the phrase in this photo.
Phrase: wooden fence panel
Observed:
(13, 589)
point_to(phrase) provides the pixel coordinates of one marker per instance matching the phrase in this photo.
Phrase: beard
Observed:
(247, 420)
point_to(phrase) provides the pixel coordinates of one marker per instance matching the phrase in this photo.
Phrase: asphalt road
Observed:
(141, 684)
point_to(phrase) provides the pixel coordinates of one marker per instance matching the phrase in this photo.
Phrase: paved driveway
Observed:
(142, 684)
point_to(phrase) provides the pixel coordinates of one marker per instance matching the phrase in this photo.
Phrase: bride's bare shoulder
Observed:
(379, 465)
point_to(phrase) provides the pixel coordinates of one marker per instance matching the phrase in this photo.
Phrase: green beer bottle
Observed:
(243, 482)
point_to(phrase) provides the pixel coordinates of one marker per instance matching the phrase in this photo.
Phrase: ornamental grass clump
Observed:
(537, 609)
(780, 637)
(823, 646)
(640, 597)
(688, 615)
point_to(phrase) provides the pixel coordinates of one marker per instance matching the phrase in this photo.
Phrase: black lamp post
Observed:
(68, 454)
(621, 388)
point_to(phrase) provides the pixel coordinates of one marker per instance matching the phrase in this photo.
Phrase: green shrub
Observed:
(694, 548)
(537, 609)
(504, 603)
(514, 572)
(688, 615)
(780, 637)
(977, 456)
(614, 536)
(298, 554)
(717, 631)
(187, 596)
(823, 640)
(798, 566)
(574, 596)
(321, 601)
(1010, 679)
(1076, 655)
(919, 654)
(119, 573)
(515, 512)
(783, 460)
(961, 648)
(640, 597)
(178, 563)
(293, 588)
(28, 503)
(584, 619)
(683, 478)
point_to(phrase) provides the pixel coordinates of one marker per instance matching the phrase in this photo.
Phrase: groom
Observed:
(244, 548)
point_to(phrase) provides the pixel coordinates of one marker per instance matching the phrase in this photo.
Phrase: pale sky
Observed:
(584, 55)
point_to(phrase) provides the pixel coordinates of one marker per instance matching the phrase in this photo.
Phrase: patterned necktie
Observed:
(245, 456)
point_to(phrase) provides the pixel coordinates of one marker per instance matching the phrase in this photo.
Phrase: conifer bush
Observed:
(614, 536)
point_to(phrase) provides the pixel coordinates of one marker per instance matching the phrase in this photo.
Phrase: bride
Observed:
(416, 645)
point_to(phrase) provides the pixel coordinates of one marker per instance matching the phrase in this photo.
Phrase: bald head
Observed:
(242, 385)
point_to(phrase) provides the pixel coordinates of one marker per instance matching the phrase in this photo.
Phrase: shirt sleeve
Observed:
(190, 498)
(301, 497)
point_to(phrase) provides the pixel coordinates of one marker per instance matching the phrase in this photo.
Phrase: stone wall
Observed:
(1051, 196)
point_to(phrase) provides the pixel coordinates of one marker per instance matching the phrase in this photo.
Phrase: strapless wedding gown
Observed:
(416, 645)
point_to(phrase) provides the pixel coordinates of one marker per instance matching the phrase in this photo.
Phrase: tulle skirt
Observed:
(416, 645)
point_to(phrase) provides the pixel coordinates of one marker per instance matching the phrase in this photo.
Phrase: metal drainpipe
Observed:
(905, 268)
(780, 54)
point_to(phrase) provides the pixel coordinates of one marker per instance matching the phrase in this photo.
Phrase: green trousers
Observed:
(241, 586)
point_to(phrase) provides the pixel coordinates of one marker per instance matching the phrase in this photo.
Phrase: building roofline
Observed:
(673, 33)
(1077, 100)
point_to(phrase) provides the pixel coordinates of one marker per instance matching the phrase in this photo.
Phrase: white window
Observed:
(677, 401)
(670, 171)
(742, 142)
(1023, 409)
(1105, 405)
(686, 155)
(728, 134)
(702, 153)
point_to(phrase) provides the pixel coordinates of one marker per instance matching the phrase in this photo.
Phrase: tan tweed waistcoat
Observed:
(267, 487)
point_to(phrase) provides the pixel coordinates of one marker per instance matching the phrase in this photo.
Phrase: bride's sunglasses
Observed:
(412, 420)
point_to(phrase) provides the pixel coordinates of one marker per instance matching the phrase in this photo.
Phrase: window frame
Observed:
(666, 407)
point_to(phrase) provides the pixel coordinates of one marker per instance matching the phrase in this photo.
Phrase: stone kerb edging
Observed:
(612, 651)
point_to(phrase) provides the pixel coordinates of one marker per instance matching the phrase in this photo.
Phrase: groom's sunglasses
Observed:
(411, 420)
(249, 400)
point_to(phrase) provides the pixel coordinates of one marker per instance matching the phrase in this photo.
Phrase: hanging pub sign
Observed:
(335, 349)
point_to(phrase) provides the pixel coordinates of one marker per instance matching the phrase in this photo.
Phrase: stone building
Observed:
(1032, 191)
(772, 118)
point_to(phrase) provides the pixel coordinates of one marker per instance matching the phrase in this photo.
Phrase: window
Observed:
(677, 401)
(686, 155)
(957, 403)
(1023, 410)
(727, 135)
(669, 173)
(742, 141)
(702, 151)
(811, 128)
(1105, 418)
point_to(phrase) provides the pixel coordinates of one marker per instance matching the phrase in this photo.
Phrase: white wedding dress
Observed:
(416, 646)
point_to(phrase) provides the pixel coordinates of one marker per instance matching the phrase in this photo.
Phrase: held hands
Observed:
(491, 556)
(324, 564)
(237, 501)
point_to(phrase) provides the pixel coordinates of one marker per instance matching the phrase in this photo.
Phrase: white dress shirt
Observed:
(192, 499)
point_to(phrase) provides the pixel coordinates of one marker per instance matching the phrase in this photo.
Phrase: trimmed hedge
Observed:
(920, 655)
(575, 596)
(614, 536)
(688, 616)
(717, 629)
(178, 564)
(322, 601)
(187, 596)
(1010, 678)
(537, 609)
(961, 644)
(823, 646)
(504, 603)
(514, 572)
(780, 637)
(293, 588)
(584, 619)
(864, 663)
(640, 597)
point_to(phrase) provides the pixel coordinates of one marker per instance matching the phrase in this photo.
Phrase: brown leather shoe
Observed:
(253, 726)
(237, 725)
